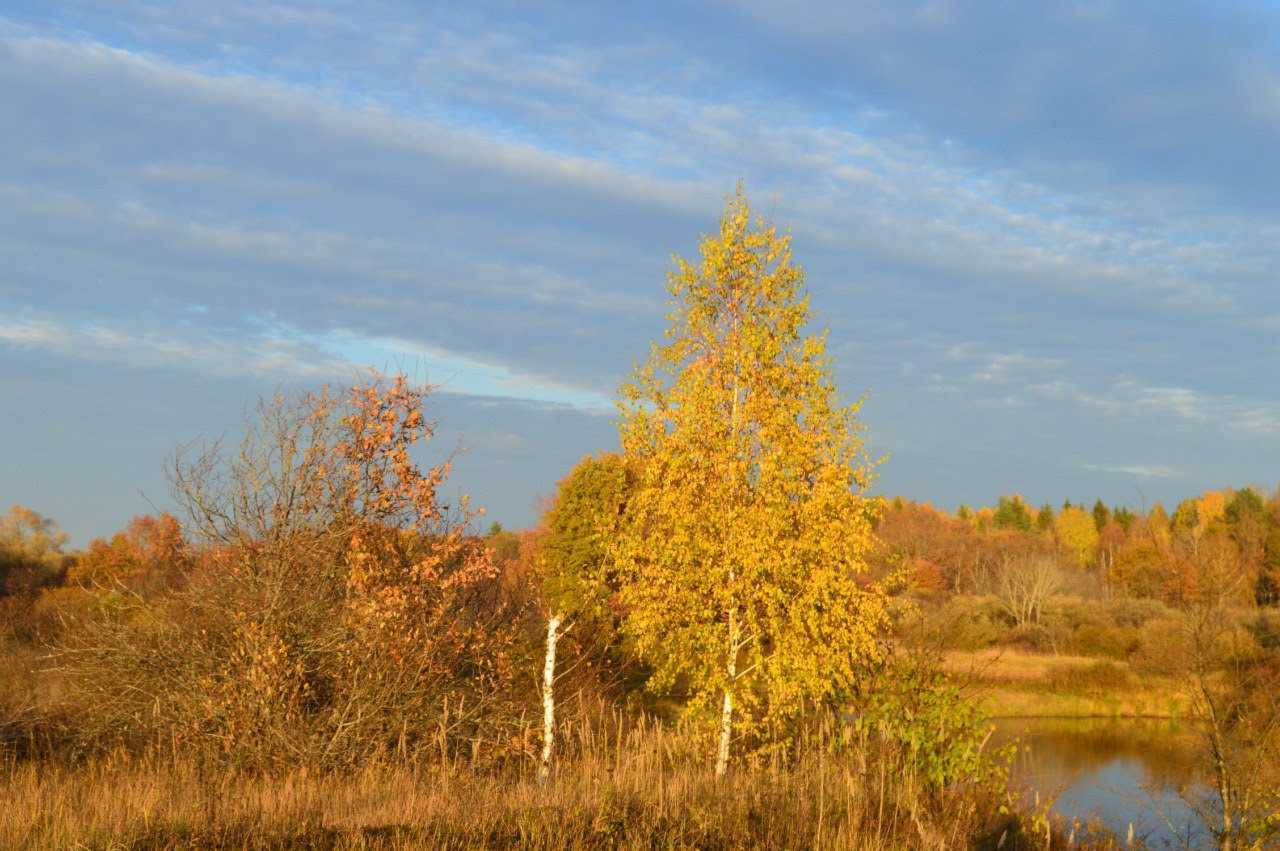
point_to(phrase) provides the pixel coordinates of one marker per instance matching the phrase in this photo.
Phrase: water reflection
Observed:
(1121, 771)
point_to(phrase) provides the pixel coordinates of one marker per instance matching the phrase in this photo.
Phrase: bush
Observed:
(1266, 630)
(1094, 639)
(943, 733)
(1163, 647)
(965, 623)
(1032, 637)
(1131, 612)
(1108, 628)
(341, 612)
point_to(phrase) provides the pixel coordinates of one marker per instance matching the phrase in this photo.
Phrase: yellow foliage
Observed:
(1076, 532)
(983, 518)
(30, 550)
(1211, 506)
(1159, 527)
(748, 528)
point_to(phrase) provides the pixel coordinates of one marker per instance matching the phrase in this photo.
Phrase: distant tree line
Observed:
(1129, 553)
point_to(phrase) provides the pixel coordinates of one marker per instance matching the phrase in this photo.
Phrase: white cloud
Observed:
(31, 332)
(1140, 471)
(281, 352)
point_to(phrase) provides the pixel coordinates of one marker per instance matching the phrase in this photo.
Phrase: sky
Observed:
(1044, 238)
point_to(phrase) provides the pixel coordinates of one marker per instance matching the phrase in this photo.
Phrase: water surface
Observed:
(1122, 772)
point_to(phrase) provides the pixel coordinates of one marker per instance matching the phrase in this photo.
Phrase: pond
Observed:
(1126, 773)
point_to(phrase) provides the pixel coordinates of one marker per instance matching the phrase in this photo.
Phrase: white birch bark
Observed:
(726, 710)
(549, 697)
(731, 662)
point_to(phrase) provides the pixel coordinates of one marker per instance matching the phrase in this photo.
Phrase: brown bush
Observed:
(338, 610)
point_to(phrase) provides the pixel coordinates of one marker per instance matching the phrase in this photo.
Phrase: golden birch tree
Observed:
(748, 526)
(1076, 533)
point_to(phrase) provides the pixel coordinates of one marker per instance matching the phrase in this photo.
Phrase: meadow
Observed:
(633, 786)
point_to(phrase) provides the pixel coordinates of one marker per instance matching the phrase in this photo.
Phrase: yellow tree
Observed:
(1210, 507)
(748, 527)
(1076, 533)
(1159, 527)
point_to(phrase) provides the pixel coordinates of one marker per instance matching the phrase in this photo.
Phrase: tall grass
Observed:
(620, 786)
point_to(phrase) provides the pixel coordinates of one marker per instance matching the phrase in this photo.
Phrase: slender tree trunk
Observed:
(1226, 840)
(549, 697)
(726, 710)
(731, 652)
(1218, 751)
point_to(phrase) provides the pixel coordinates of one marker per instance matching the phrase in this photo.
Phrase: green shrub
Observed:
(942, 733)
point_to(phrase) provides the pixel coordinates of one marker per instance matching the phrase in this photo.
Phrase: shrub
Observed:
(1127, 611)
(1266, 630)
(964, 623)
(1163, 647)
(341, 610)
(942, 732)
(1037, 638)
(1094, 639)
(1110, 628)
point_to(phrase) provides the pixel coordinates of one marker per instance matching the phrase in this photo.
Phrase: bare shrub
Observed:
(1235, 681)
(1023, 585)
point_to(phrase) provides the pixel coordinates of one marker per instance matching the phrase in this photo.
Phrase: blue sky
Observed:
(1044, 238)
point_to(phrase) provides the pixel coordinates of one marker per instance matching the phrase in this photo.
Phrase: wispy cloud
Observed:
(1073, 244)
(1137, 470)
(281, 352)
(32, 332)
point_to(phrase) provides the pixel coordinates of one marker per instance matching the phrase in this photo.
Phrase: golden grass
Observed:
(1015, 683)
(147, 806)
(1002, 664)
(636, 791)
(621, 785)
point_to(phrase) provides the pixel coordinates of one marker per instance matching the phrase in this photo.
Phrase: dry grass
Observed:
(636, 789)
(1000, 664)
(622, 784)
(1015, 683)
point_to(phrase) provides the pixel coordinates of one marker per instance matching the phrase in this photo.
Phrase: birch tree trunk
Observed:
(726, 711)
(549, 697)
(731, 662)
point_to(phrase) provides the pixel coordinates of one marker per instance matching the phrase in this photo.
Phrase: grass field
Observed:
(1014, 683)
(629, 797)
